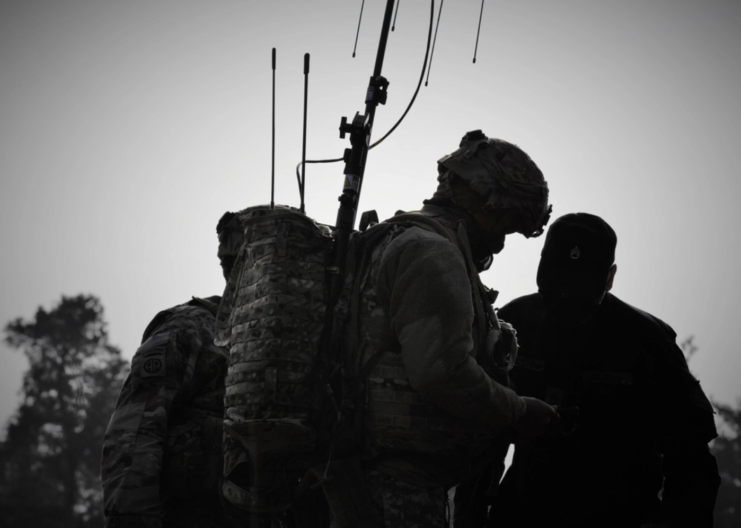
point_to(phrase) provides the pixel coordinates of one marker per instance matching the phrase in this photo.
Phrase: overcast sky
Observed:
(128, 128)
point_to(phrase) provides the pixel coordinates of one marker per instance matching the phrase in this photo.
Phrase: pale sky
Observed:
(128, 128)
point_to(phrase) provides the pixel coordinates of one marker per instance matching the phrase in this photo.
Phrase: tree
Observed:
(50, 459)
(727, 451)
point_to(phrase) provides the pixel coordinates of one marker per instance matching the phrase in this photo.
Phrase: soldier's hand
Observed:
(539, 418)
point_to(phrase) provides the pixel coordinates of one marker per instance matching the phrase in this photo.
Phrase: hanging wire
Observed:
(429, 69)
(409, 107)
(357, 34)
(393, 26)
(481, 15)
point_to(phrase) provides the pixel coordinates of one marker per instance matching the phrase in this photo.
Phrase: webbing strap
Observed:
(347, 494)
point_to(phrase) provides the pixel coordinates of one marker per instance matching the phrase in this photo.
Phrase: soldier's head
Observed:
(577, 266)
(231, 237)
(498, 185)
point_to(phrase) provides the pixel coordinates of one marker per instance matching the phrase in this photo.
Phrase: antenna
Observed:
(272, 176)
(303, 155)
(358, 32)
(481, 15)
(393, 26)
(429, 68)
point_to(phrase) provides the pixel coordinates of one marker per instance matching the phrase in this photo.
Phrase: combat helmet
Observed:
(504, 175)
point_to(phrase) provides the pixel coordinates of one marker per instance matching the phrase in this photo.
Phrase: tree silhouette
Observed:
(727, 451)
(50, 459)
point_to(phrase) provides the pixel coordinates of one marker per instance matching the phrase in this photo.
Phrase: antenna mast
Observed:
(360, 134)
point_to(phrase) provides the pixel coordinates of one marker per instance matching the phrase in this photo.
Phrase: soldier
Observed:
(426, 333)
(162, 457)
(638, 417)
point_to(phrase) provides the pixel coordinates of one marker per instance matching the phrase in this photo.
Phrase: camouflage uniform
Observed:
(162, 457)
(432, 404)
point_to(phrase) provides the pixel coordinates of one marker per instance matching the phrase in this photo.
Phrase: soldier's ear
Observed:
(610, 277)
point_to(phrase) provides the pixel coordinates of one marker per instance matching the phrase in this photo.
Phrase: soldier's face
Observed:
(230, 242)
(495, 228)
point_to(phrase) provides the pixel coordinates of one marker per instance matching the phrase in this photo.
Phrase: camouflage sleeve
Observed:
(136, 436)
(423, 279)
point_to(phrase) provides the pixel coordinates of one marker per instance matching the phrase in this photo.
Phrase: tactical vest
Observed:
(396, 417)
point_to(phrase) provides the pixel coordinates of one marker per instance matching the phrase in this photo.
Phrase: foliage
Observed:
(727, 451)
(50, 459)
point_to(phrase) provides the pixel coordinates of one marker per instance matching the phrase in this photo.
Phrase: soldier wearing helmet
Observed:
(162, 458)
(434, 355)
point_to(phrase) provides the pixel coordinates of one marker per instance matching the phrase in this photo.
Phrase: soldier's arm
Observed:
(691, 477)
(132, 458)
(424, 280)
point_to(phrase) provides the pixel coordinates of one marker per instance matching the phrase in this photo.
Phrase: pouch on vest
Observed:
(276, 393)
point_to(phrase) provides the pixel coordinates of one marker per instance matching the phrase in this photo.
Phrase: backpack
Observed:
(287, 428)
(271, 318)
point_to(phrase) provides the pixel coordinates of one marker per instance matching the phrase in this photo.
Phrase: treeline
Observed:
(50, 458)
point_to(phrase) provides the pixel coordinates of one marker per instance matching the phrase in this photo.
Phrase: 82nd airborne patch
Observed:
(152, 353)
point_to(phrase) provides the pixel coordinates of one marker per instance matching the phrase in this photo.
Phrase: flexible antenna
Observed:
(357, 34)
(481, 15)
(429, 69)
(396, 13)
(272, 176)
(303, 155)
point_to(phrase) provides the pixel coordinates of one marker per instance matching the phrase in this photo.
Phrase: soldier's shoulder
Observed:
(643, 324)
(197, 313)
(527, 306)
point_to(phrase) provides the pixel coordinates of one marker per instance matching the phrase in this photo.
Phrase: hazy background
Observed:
(128, 128)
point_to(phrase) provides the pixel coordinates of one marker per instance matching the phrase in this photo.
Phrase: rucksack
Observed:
(280, 414)
(277, 398)
(286, 426)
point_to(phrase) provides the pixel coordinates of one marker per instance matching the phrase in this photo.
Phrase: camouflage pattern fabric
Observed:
(431, 405)
(503, 174)
(401, 505)
(162, 458)
(274, 311)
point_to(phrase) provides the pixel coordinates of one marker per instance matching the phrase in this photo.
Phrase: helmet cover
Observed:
(504, 175)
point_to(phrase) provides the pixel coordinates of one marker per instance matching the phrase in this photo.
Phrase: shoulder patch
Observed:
(152, 353)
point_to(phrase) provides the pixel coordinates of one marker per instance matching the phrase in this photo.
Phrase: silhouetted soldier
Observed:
(426, 335)
(632, 415)
(162, 457)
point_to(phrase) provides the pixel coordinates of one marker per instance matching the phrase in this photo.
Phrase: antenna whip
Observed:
(303, 156)
(481, 15)
(396, 13)
(434, 41)
(358, 32)
(272, 176)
